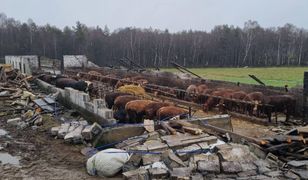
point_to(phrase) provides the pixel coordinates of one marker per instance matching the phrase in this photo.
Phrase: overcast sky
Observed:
(175, 15)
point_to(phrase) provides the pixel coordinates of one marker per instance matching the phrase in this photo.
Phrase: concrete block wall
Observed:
(25, 64)
(82, 101)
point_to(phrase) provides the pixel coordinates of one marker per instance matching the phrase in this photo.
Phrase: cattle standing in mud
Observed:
(110, 98)
(136, 110)
(168, 112)
(152, 108)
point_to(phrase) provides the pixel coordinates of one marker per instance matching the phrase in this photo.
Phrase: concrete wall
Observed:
(95, 110)
(26, 64)
(77, 61)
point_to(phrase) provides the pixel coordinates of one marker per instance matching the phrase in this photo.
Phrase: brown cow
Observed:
(110, 98)
(136, 110)
(256, 98)
(213, 101)
(202, 89)
(281, 103)
(239, 95)
(168, 112)
(152, 108)
(121, 101)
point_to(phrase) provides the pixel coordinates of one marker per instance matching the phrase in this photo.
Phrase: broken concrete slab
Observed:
(150, 158)
(90, 131)
(180, 141)
(180, 173)
(172, 160)
(153, 145)
(210, 165)
(158, 173)
(185, 152)
(140, 174)
(231, 167)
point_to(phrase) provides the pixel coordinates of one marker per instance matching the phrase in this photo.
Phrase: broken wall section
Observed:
(96, 110)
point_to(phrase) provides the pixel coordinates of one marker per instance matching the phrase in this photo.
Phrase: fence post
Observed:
(305, 96)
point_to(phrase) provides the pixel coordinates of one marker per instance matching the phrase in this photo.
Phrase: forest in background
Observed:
(223, 46)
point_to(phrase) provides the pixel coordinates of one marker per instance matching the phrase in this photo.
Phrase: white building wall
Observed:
(26, 64)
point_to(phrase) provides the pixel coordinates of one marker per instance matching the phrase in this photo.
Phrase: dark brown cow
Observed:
(281, 103)
(152, 108)
(110, 98)
(168, 112)
(121, 101)
(136, 110)
(68, 82)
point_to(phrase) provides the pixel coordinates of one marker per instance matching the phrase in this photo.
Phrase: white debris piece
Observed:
(14, 121)
(74, 136)
(107, 162)
(63, 130)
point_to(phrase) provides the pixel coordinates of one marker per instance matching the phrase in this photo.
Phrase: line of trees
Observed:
(225, 45)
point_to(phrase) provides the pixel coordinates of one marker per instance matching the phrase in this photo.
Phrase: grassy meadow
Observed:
(274, 76)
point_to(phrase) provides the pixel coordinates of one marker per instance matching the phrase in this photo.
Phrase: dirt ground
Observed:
(41, 156)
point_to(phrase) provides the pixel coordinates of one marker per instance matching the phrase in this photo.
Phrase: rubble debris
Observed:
(91, 131)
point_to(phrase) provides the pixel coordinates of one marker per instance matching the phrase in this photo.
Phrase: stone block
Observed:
(140, 174)
(181, 173)
(105, 113)
(150, 158)
(231, 167)
(89, 107)
(54, 130)
(210, 165)
(158, 173)
(186, 152)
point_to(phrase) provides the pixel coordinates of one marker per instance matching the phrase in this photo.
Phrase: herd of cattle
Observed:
(132, 109)
(253, 103)
(129, 108)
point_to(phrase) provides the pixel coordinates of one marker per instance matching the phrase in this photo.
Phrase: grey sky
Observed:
(176, 15)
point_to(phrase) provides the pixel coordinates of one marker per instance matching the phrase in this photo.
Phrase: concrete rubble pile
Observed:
(18, 97)
(76, 132)
(161, 153)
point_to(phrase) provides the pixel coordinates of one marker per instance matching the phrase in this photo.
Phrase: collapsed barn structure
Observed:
(161, 121)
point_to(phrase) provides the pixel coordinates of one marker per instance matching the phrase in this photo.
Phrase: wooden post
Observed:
(305, 94)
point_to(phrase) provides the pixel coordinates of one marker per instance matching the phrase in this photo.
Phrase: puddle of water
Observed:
(3, 132)
(6, 158)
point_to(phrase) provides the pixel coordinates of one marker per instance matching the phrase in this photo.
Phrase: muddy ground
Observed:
(41, 156)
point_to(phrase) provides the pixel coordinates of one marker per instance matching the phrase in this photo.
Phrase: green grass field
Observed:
(274, 76)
